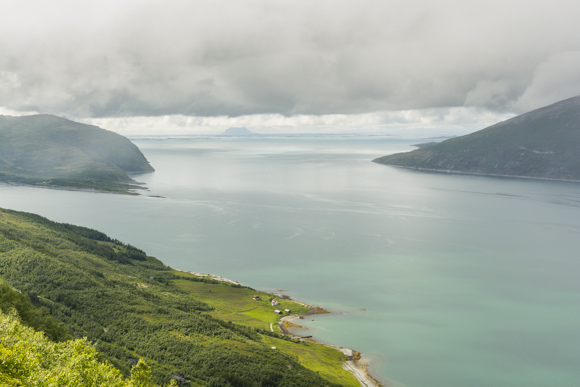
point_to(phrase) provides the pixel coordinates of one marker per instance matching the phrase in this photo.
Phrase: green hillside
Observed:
(45, 150)
(543, 143)
(28, 358)
(72, 282)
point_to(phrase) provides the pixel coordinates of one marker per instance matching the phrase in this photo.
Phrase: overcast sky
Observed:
(194, 66)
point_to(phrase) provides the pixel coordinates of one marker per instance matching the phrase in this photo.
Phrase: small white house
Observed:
(275, 302)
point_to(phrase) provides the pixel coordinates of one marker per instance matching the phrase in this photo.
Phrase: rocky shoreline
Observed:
(355, 363)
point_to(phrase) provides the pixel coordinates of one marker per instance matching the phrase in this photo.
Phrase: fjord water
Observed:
(442, 280)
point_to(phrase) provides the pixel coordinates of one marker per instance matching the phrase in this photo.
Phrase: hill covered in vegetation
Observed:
(72, 282)
(540, 144)
(28, 358)
(46, 150)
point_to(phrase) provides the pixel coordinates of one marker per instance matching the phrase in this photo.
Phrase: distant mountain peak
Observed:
(238, 131)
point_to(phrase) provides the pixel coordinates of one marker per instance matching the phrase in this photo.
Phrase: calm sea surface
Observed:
(443, 280)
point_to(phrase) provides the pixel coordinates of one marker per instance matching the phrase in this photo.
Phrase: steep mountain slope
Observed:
(544, 143)
(52, 151)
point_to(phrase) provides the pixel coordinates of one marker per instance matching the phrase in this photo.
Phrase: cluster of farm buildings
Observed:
(275, 302)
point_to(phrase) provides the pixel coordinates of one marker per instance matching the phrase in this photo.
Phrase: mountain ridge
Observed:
(541, 144)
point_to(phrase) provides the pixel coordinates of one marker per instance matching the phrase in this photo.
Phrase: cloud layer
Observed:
(238, 58)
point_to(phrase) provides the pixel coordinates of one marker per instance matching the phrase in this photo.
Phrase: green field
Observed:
(236, 304)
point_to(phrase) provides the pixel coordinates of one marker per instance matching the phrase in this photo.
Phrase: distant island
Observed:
(45, 150)
(238, 131)
(541, 144)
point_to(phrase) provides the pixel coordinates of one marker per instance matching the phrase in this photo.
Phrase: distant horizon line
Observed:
(144, 136)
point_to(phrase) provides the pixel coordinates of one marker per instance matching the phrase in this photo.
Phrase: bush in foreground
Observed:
(28, 358)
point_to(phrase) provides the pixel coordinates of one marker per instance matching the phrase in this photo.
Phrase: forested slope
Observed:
(134, 307)
(28, 358)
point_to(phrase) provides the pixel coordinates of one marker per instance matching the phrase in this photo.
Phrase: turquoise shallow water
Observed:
(443, 280)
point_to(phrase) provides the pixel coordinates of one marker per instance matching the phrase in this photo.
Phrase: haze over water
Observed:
(443, 280)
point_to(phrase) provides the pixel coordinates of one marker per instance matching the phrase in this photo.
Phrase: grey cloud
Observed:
(211, 58)
(555, 79)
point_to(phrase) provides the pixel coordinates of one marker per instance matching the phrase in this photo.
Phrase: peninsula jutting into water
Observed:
(131, 306)
(49, 151)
